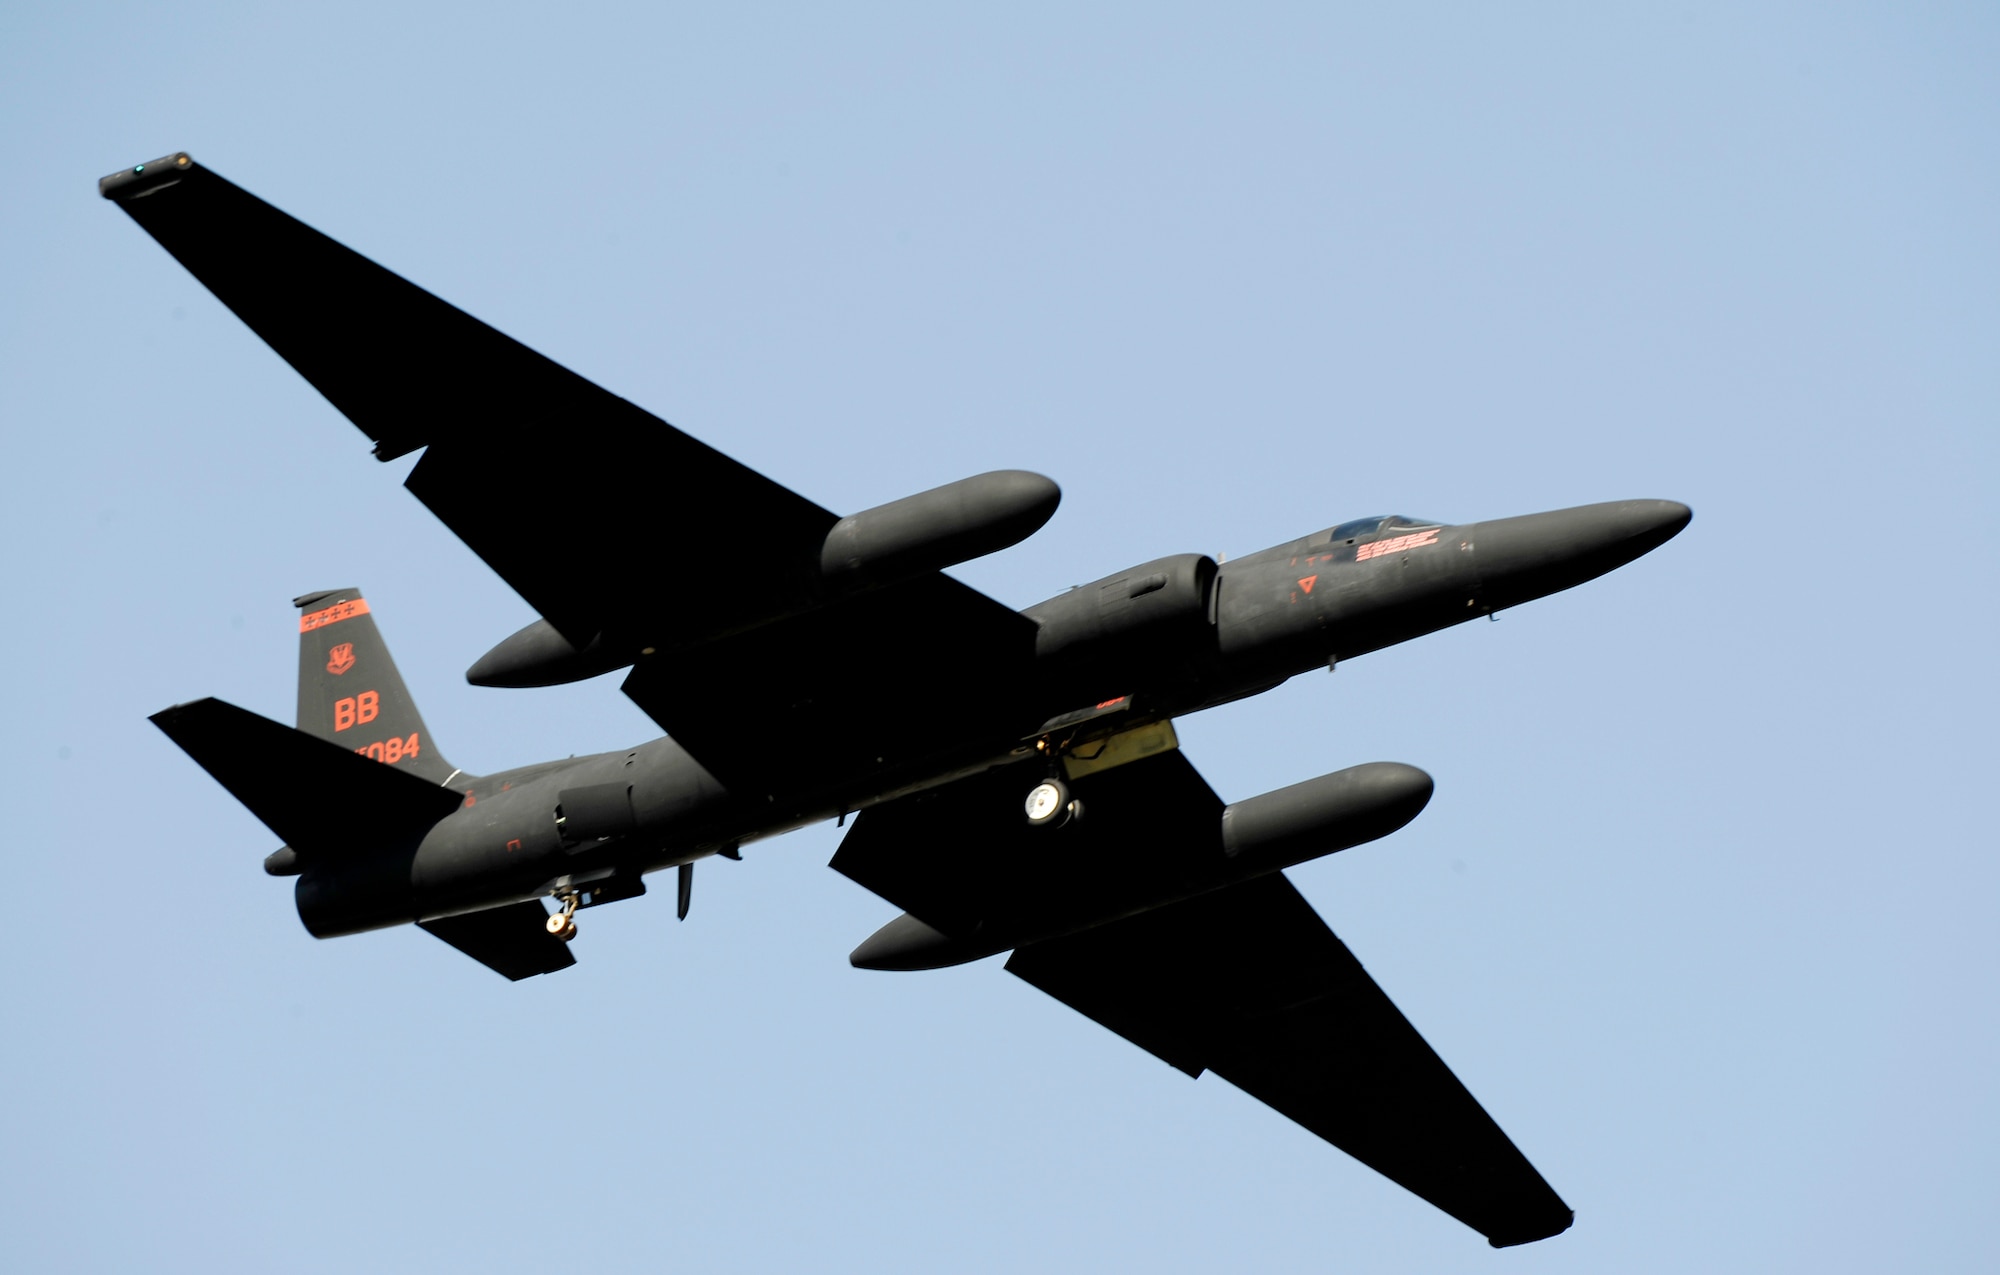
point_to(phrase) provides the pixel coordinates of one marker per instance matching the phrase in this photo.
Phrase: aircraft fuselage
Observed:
(1164, 639)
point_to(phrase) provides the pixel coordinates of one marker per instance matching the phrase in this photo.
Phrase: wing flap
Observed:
(1250, 983)
(513, 941)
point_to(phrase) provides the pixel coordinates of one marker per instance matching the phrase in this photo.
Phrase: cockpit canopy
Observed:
(1367, 528)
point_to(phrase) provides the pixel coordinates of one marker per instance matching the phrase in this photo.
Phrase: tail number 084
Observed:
(392, 749)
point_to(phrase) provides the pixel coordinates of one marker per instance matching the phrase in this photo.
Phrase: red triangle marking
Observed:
(1308, 582)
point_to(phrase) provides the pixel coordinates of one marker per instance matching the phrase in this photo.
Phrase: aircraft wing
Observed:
(587, 505)
(1241, 979)
(606, 519)
(1248, 982)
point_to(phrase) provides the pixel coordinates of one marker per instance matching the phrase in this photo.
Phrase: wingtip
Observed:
(143, 179)
(1510, 1241)
(173, 712)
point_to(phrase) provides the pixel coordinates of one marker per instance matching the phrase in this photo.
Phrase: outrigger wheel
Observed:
(563, 923)
(1049, 803)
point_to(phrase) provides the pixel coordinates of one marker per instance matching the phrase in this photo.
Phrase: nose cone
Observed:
(1519, 559)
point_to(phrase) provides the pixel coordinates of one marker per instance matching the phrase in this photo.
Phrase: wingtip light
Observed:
(144, 179)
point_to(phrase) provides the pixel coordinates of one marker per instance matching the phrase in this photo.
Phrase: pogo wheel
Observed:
(1047, 802)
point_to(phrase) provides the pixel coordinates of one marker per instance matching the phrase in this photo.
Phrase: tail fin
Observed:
(321, 799)
(350, 692)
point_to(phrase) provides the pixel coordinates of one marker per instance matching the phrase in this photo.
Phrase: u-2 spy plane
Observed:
(1045, 810)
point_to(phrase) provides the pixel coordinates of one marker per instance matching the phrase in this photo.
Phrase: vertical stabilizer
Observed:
(350, 692)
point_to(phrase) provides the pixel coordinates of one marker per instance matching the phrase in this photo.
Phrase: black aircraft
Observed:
(1015, 777)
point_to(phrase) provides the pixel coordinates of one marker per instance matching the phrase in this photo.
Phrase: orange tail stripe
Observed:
(333, 615)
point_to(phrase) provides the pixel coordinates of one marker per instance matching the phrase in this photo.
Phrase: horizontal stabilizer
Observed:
(1250, 983)
(318, 797)
(513, 940)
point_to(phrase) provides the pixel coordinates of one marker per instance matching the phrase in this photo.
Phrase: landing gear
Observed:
(563, 923)
(1049, 803)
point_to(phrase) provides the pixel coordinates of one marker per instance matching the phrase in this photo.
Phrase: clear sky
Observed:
(1703, 910)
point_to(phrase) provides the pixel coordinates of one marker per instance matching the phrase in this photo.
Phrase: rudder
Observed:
(350, 692)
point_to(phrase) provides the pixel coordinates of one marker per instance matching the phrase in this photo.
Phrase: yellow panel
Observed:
(1116, 750)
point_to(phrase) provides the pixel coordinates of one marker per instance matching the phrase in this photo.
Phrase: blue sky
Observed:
(1702, 910)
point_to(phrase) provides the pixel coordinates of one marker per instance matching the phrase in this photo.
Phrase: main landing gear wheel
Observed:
(563, 923)
(1049, 803)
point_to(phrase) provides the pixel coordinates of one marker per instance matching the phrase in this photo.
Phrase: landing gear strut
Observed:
(563, 923)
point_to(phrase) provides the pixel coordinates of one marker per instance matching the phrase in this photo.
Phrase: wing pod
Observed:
(886, 545)
(1155, 835)
(938, 528)
(1320, 816)
(539, 655)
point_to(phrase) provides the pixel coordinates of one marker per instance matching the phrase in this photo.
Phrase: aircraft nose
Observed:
(1534, 555)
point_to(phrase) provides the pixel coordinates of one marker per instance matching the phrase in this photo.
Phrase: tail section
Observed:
(350, 692)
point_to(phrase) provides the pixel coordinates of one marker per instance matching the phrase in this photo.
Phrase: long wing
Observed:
(1244, 980)
(1249, 982)
(606, 519)
(564, 488)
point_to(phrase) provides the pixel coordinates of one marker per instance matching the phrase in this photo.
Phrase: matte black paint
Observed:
(810, 666)
(1248, 983)
(1153, 834)
(902, 540)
